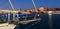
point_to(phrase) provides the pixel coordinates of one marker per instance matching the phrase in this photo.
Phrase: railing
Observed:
(18, 17)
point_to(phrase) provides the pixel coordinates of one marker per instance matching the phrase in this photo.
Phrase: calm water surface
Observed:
(43, 24)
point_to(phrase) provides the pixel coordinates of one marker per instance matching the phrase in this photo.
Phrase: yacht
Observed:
(5, 24)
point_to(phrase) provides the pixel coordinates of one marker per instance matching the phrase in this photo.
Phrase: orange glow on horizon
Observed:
(41, 9)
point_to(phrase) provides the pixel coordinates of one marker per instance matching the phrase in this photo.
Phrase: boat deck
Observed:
(9, 26)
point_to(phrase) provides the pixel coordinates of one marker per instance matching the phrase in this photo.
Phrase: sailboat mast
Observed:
(12, 9)
(11, 5)
(34, 7)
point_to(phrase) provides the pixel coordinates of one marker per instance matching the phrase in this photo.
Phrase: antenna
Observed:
(35, 9)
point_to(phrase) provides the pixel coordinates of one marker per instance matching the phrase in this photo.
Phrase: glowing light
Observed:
(41, 9)
(38, 15)
(50, 12)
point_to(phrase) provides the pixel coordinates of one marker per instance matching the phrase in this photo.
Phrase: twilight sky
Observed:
(27, 4)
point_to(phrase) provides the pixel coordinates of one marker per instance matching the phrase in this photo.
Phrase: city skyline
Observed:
(27, 4)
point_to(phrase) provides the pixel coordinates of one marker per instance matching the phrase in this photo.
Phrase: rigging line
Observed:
(12, 10)
(34, 7)
(35, 15)
(34, 4)
(11, 5)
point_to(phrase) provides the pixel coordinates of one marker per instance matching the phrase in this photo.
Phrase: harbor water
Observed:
(43, 24)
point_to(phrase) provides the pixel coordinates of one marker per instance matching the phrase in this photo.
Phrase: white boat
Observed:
(7, 26)
(12, 26)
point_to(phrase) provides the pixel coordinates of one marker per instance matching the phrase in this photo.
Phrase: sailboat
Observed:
(6, 25)
(34, 19)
